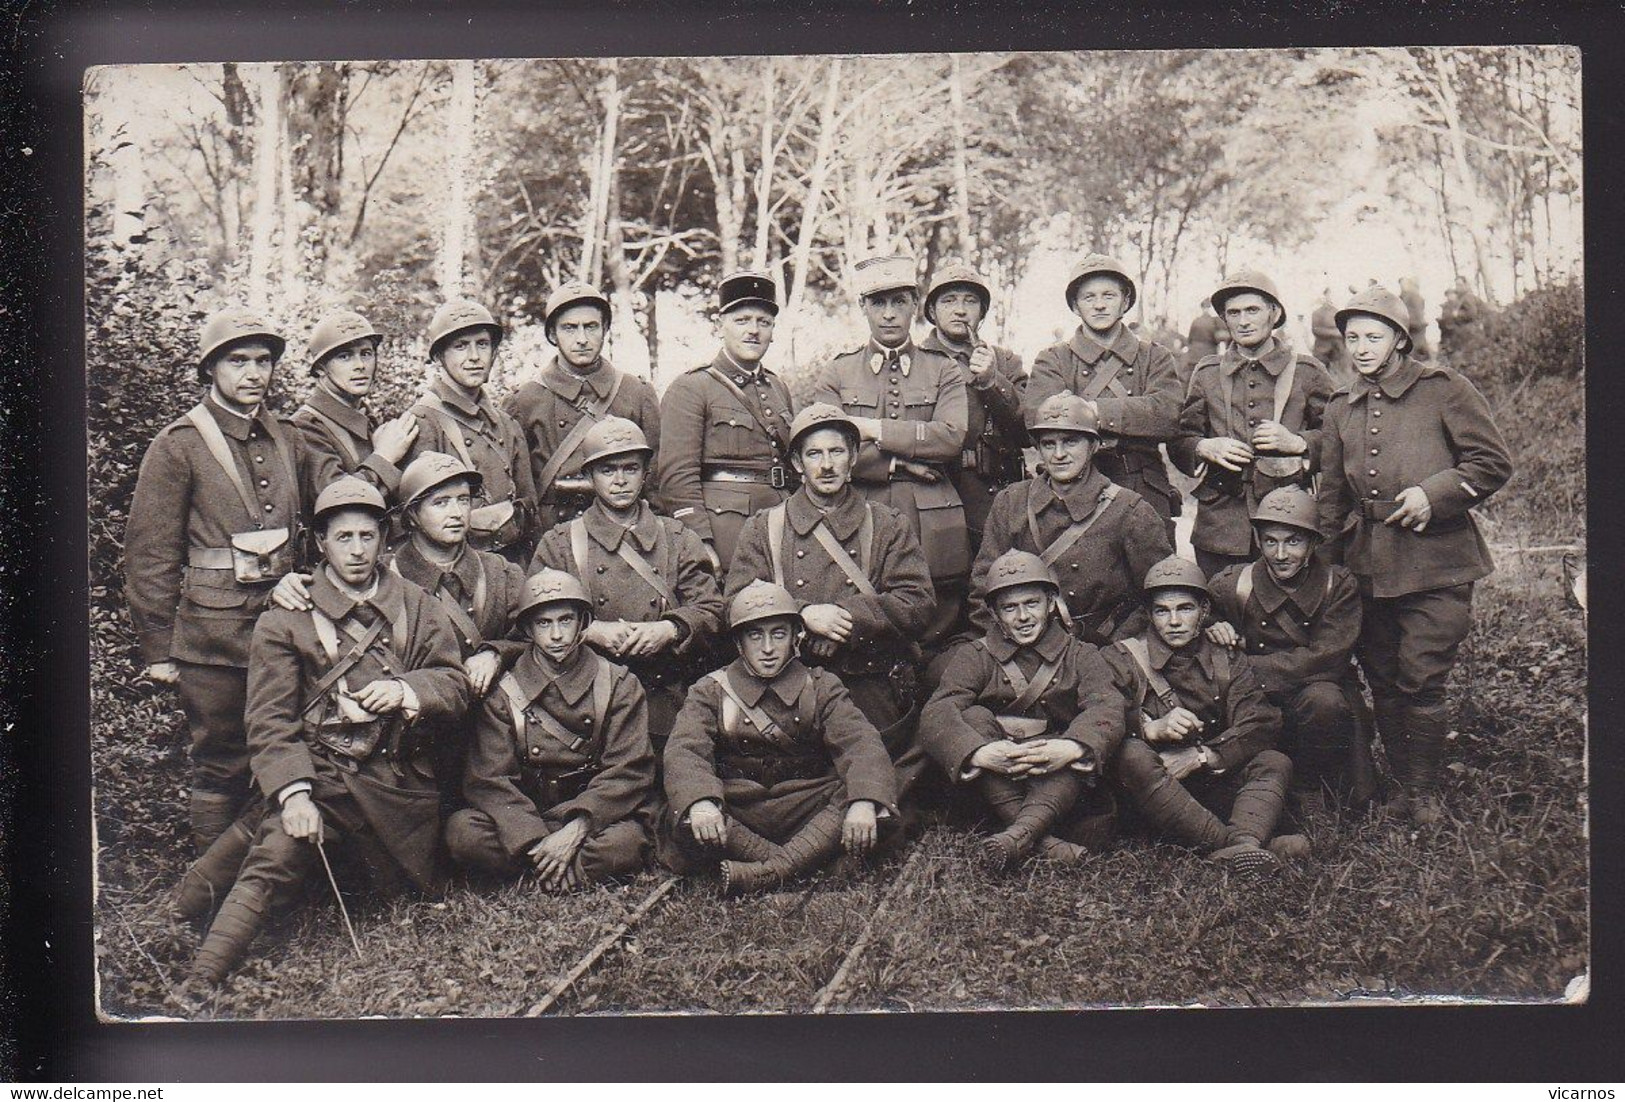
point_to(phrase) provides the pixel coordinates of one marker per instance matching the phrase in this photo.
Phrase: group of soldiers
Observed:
(554, 637)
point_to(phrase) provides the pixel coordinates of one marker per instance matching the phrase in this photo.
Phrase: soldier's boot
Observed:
(1396, 747)
(1261, 797)
(1169, 806)
(229, 936)
(207, 880)
(1051, 848)
(1290, 847)
(1047, 799)
(744, 844)
(1424, 762)
(809, 848)
(212, 814)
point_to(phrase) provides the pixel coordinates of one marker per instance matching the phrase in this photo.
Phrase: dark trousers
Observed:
(1322, 737)
(899, 730)
(214, 699)
(617, 850)
(1193, 811)
(1408, 645)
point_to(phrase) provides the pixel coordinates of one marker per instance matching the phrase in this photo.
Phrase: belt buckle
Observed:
(775, 477)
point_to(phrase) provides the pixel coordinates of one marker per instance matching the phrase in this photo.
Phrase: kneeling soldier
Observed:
(1027, 714)
(771, 763)
(656, 605)
(1297, 620)
(561, 776)
(337, 699)
(1203, 732)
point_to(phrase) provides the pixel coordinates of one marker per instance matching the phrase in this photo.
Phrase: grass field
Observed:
(1490, 904)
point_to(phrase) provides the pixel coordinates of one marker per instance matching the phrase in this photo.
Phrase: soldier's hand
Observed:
(1172, 727)
(607, 635)
(1002, 757)
(553, 855)
(815, 647)
(164, 673)
(922, 471)
(706, 821)
(1415, 510)
(1047, 755)
(1223, 634)
(301, 819)
(292, 592)
(1276, 437)
(981, 360)
(643, 640)
(1226, 451)
(858, 829)
(393, 439)
(383, 696)
(482, 668)
(1181, 762)
(830, 621)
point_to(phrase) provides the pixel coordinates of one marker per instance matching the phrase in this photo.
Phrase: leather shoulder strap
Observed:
(449, 426)
(579, 551)
(327, 634)
(1036, 688)
(215, 441)
(777, 522)
(855, 573)
(1064, 542)
(756, 717)
(632, 557)
(1104, 378)
(603, 684)
(1244, 585)
(1136, 649)
(1283, 388)
(341, 436)
(750, 407)
(567, 448)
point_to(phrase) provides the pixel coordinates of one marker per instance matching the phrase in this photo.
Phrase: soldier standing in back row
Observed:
(575, 390)
(344, 356)
(1251, 421)
(458, 418)
(1409, 450)
(726, 424)
(1134, 384)
(910, 407)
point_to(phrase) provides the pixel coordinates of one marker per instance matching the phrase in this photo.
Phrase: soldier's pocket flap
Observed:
(852, 397)
(215, 596)
(936, 495)
(731, 416)
(718, 500)
(262, 543)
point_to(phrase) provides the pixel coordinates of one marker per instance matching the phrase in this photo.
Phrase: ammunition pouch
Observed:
(353, 742)
(494, 526)
(904, 679)
(261, 556)
(571, 485)
(551, 787)
(1021, 728)
(1281, 467)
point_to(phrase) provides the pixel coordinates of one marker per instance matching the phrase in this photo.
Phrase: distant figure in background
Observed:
(1328, 342)
(1205, 335)
(1411, 295)
(1462, 310)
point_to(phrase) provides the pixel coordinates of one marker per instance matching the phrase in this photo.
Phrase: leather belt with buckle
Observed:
(771, 476)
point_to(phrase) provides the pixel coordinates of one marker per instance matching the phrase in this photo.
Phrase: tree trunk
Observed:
(811, 208)
(315, 126)
(623, 323)
(262, 234)
(956, 94)
(456, 213)
(765, 168)
(603, 170)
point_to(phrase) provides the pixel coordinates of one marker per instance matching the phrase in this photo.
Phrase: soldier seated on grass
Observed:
(561, 776)
(1029, 717)
(1203, 733)
(339, 697)
(771, 766)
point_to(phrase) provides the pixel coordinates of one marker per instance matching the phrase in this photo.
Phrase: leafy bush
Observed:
(1541, 335)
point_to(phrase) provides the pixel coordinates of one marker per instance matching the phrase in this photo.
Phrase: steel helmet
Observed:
(548, 586)
(956, 273)
(1289, 505)
(574, 293)
(883, 273)
(613, 436)
(1068, 412)
(1175, 573)
(1101, 264)
(1380, 303)
(431, 470)
(1015, 568)
(227, 326)
(762, 600)
(747, 287)
(337, 330)
(349, 492)
(820, 415)
(1248, 282)
(455, 316)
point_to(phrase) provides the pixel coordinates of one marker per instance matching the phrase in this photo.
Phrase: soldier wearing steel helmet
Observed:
(656, 603)
(1199, 763)
(217, 517)
(1099, 537)
(1028, 717)
(1135, 384)
(726, 424)
(561, 780)
(771, 769)
(342, 700)
(856, 567)
(910, 406)
(1297, 618)
(575, 390)
(1409, 450)
(457, 417)
(343, 352)
(1251, 420)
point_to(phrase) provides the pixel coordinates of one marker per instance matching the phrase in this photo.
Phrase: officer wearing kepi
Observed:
(1134, 383)
(344, 357)
(1251, 420)
(457, 417)
(726, 424)
(216, 519)
(910, 407)
(575, 390)
(1409, 449)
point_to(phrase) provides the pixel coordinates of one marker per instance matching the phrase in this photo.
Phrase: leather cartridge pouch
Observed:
(1279, 466)
(349, 730)
(261, 556)
(1020, 728)
(494, 525)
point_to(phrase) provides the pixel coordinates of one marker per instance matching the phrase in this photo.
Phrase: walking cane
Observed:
(343, 911)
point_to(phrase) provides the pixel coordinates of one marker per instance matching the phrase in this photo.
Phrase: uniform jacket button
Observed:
(601, 569)
(801, 581)
(268, 508)
(259, 459)
(801, 554)
(265, 482)
(1372, 473)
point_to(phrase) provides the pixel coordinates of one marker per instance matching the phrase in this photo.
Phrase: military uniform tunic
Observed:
(547, 409)
(1100, 574)
(525, 785)
(720, 454)
(333, 427)
(1225, 499)
(456, 425)
(1137, 388)
(995, 431)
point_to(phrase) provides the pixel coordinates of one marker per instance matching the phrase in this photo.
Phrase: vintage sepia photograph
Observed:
(828, 534)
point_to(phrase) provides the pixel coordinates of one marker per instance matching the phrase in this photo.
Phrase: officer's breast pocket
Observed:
(719, 501)
(728, 424)
(863, 403)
